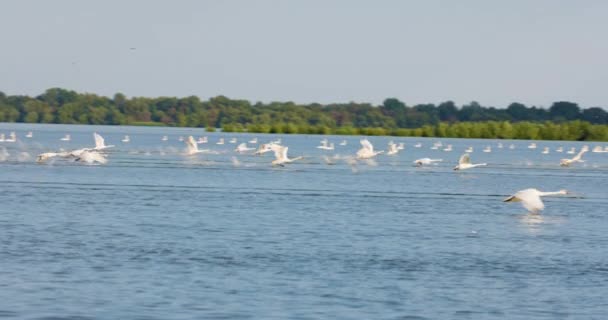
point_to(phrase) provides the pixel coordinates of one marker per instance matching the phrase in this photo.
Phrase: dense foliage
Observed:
(563, 120)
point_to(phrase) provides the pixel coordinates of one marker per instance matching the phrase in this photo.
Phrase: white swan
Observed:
(67, 137)
(531, 198)
(392, 149)
(576, 158)
(487, 149)
(571, 151)
(90, 156)
(126, 139)
(367, 150)
(253, 141)
(192, 146)
(559, 149)
(426, 161)
(280, 153)
(545, 150)
(511, 146)
(418, 145)
(327, 147)
(469, 150)
(180, 138)
(164, 138)
(99, 142)
(220, 141)
(29, 134)
(12, 137)
(202, 140)
(233, 140)
(465, 163)
(448, 148)
(500, 145)
(401, 146)
(343, 143)
(243, 148)
(263, 148)
(532, 146)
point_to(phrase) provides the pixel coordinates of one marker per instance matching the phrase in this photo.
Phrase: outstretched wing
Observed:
(99, 142)
(191, 145)
(464, 159)
(367, 145)
(579, 155)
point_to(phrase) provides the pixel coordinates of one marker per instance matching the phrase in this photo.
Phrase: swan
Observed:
(545, 150)
(576, 158)
(280, 153)
(29, 134)
(343, 143)
(392, 149)
(263, 148)
(559, 149)
(448, 148)
(487, 149)
(99, 142)
(532, 146)
(192, 147)
(367, 150)
(571, 151)
(243, 148)
(126, 139)
(233, 140)
(180, 138)
(531, 198)
(2, 138)
(253, 141)
(220, 141)
(465, 163)
(426, 161)
(598, 149)
(401, 146)
(66, 138)
(164, 138)
(90, 156)
(511, 146)
(418, 145)
(202, 140)
(47, 155)
(327, 147)
(469, 150)
(12, 137)
(500, 145)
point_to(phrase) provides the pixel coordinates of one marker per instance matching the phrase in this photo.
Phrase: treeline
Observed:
(562, 120)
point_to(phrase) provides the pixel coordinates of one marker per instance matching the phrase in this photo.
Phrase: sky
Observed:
(325, 51)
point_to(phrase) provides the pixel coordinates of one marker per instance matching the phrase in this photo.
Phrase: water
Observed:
(157, 235)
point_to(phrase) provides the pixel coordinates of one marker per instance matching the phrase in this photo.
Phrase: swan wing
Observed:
(191, 145)
(464, 159)
(530, 199)
(579, 155)
(99, 141)
(367, 145)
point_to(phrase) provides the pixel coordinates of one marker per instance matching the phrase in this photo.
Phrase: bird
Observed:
(465, 163)
(487, 149)
(418, 145)
(47, 155)
(367, 150)
(263, 148)
(426, 161)
(192, 146)
(343, 143)
(571, 151)
(325, 145)
(233, 140)
(164, 138)
(469, 150)
(66, 138)
(448, 148)
(392, 149)
(531, 198)
(12, 137)
(90, 156)
(280, 153)
(545, 150)
(511, 146)
(29, 134)
(532, 146)
(220, 141)
(243, 148)
(202, 140)
(559, 149)
(99, 142)
(126, 139)
(253, 141)
(576, 158)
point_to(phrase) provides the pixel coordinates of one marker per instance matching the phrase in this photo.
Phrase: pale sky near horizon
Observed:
(493, 52)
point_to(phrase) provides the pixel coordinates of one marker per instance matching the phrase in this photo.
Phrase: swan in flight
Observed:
(192, 146)
(426, 161)
(392, 149)
(531, 198)
(241, 148)
(29, 134)
(263, 148)
(99, 142)
(66, 138)
(90, 156)
(576, 158)
(126, 139)
(465, 163)
(367, 150)
(280, 153)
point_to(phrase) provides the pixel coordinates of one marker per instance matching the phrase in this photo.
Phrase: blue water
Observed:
(158, 235)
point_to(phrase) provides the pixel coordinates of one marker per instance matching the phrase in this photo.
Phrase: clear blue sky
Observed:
(494, 52)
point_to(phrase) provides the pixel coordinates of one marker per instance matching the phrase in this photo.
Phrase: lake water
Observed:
(154, 234)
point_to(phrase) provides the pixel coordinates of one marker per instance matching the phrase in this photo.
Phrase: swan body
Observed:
(448, 148)
(243, 148)
(164, 138)
(280, 153)
(126, 139)
(469, 150)
(202, 140)
(233, 140)
(511, 146)
(559, 149)
(66, 138)
(418, 145)
(532, 146)
(531, 198)
(576, 158)
(571, 151)
(545, 150)
(253, 141)
(367, 150)
(343, 143)
(392, 149)
(29, 134)
(465, 163)
(487, 149)
(426, 161)
(12, 137)
(220, 141)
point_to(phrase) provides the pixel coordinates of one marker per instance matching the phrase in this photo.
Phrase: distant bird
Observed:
(465, 163)
(571, 151)
(99, 142)
(487, 149)
(401, 146)
(576, 158)
(343, 143)
(233, 140)
(545, 150)
(66, 138)
(392, 149)
(126, 139)
(192, 146)
(325, 145)
(220, 141)
(500, 145)
(241, 148)
(367, 150)
(448, 148)
(29, 134)
(532, 146)
(12, 137)
(263, 148)
(180, 138)
(511, 146)
(253, 141)
(164, 138)
(469, 150)
(202, 140)
(280, 153)
(426, 161)
(531, 198)
(559, 149)
(418, 145)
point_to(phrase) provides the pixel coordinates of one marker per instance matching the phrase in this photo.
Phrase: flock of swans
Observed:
(530, 198)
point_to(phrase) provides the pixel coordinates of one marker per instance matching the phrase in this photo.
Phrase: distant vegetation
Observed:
(562, 121)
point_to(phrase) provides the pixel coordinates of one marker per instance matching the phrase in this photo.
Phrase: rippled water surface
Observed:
(155, 234)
